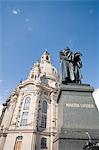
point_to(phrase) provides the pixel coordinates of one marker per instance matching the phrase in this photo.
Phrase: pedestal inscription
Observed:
(77, 116)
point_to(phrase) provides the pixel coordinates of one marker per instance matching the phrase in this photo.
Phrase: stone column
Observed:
(9, 112)
(53, 119)
(2, 139)
(35, 118)
(17, 103)
(7, 119)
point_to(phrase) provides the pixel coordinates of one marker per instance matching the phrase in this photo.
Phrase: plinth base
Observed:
(77, 116)
(72, 139)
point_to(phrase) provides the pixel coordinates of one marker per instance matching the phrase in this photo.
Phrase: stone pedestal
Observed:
(77, 116)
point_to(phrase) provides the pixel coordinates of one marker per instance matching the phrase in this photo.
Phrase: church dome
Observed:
(47, 68)
(44, 68)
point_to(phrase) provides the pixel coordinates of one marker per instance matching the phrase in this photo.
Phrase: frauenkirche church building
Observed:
(45, 114)
(29, 118)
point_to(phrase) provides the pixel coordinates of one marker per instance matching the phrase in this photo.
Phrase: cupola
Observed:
(45, 57)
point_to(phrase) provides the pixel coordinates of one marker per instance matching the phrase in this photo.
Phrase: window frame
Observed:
(43, 122)
(24, 119)
(27, 101)
(44, 107)
(43, 143)
(18, 142)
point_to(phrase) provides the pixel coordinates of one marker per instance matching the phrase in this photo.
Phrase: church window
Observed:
(18, 143)
(44, 107)
(35, 77)
(32, 76)
(47, 58)
(43, 143)
(27, 103)
(43, 121)
(24, 119)
(44, 115)
(53, 69)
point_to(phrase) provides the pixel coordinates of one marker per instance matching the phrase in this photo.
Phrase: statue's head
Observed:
(66, 50)
(78, 54)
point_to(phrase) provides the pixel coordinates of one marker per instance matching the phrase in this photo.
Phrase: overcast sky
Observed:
(27, 28)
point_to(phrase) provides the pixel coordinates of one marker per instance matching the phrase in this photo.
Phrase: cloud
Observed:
(96, 97)
(16, 11)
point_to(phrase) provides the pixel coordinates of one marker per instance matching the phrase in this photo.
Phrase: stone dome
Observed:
(44, 68)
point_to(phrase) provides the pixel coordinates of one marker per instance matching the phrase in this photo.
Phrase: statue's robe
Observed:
(77, 67)
(67, 69)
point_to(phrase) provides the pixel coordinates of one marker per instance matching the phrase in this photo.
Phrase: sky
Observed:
(28, 28)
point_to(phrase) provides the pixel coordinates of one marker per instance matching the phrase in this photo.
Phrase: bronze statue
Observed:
(70, 66)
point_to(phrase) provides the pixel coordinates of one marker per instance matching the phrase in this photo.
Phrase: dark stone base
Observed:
(72, 139)
(71, 144)
(78, 115)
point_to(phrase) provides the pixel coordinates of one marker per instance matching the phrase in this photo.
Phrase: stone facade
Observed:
(29, 116)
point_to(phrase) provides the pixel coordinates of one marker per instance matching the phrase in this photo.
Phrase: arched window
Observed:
(47, 58)
(53, 70)
(43, 143)
(44, 107)
(27, 103)
(43, 121)
(18, 143)
(44, 115)
(24, 119)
